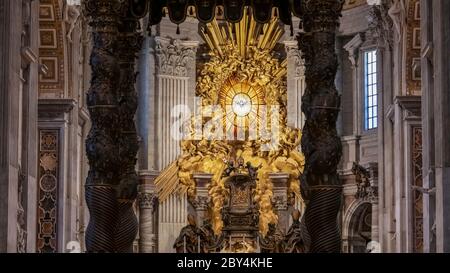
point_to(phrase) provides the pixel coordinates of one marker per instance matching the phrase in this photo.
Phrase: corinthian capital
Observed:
(147, 200)
(175, 57)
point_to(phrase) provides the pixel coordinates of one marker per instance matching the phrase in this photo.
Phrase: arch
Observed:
(354, 224)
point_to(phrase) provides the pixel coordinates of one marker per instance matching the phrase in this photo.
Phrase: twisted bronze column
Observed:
(112, 143)
(129, 44)
(320, 143)
(101, 145)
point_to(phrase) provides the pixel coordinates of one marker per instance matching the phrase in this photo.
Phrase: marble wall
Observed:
(18, 125)
(435, 70)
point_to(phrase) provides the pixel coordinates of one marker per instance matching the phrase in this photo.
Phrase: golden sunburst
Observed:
(241, 103)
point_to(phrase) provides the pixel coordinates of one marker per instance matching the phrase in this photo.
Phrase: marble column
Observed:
(380, 32)
(202, 196)
(280, 199)
(407, 171)
(320, 143)
(353, 141)
(385, 155)
(373, 198)
(147, 204)
(353, 49)
(147, 106)
(175, 76)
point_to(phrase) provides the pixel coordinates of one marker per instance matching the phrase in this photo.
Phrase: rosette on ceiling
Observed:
(205, 10)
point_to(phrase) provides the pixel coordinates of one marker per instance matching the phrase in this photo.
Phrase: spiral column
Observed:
(321, 144)
(112, 143)
(101, 144)
(129, 44)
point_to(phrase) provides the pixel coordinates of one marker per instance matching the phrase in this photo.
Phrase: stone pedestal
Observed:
(280, 199)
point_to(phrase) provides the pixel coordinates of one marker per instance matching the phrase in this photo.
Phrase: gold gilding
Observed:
(241, 61)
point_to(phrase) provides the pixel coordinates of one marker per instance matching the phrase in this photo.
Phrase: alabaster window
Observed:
(370, 90)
